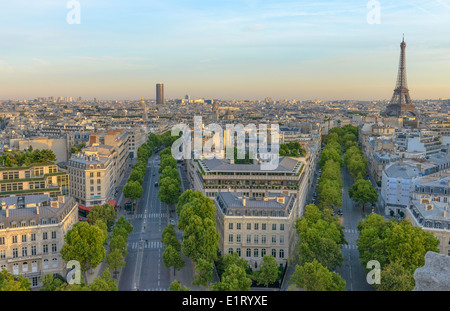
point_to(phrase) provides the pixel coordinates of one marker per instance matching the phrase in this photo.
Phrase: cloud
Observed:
(254, 27)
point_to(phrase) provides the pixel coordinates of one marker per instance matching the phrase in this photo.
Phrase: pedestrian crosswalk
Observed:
(155, 289)
(351, 231)
(149, 244)
(351, 246)
(151, 215)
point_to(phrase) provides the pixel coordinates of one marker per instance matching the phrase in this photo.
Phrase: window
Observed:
(33, 250)
(238, 238)
(34, 266)
(15, 252)
(274, 226)
(282, 227)
(35, 281)
(249, 226)
(274, 239)
(33, 237)
(14, 238)
(230, 238)
(230, 226)
(281, 239)
(255, 239)
(25, 267)
(263, 252)
(44, 235)
(45, 249)
(16, 268)
(281, 253)
(274, 253)
(256, 226)
(54, 248)
(45, 263)
(238, 251)
(249, 238)
(24, 251)
(255, 252)
(2, 254)
(238, 226)
(55, 262)
(53, 234)
(263, 226)
(249, 252)
(230, 251)
(23, 224)
(2, 240)
(24, 238)
(263, 239)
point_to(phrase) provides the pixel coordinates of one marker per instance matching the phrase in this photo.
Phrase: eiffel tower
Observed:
(400, 104)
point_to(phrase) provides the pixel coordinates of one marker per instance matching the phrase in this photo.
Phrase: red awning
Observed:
(84, 208)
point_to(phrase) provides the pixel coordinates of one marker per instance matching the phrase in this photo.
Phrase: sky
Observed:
(223, 49)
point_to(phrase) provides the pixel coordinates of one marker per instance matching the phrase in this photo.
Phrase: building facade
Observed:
(32, 230)
(254, 227)
(36, 178)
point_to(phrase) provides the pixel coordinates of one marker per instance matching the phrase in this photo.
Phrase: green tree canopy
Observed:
(312, 276)
(84, 243)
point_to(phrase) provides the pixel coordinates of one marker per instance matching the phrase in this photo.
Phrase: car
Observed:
(315, 194)
(172, 222)
(340, 212)
(156, 184)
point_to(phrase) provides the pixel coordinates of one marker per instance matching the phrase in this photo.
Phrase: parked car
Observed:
(340, 212)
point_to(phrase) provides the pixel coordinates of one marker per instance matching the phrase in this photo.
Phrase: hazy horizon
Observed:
(228, 49)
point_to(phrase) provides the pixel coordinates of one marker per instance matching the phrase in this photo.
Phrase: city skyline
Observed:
(223, 49)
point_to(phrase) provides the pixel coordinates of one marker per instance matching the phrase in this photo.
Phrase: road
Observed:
(144, 269)
(352, 270)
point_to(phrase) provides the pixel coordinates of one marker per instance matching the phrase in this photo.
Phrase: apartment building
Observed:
(434, 217)
(32, 230)
(292, 176)
(92, 176)
(137, 137)
(256, 226)
(36, 178)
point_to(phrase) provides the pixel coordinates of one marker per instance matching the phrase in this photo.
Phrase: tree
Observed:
(394, 277)
(10, 282)
(175, 286)
(51, 282)
(137, 175)
(132, 190)
(233, 279)
(205, 273)
(268, 272)
(115, 260)
(84, 243)
(172, 258)
(118, 242)
(394, 242)
(320, 238)
(171, 172)
(105, 212)
(200, 239)
(169, 237)
(124, 223)
(169, 190)
(104, 282)
(312, 276)
(363, 192)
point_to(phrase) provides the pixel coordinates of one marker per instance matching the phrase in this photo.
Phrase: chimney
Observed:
(445, 211)
(244, 201)
(280, 199)
(62, 199)
(54, 204)
(37, 209)
(7, 212)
